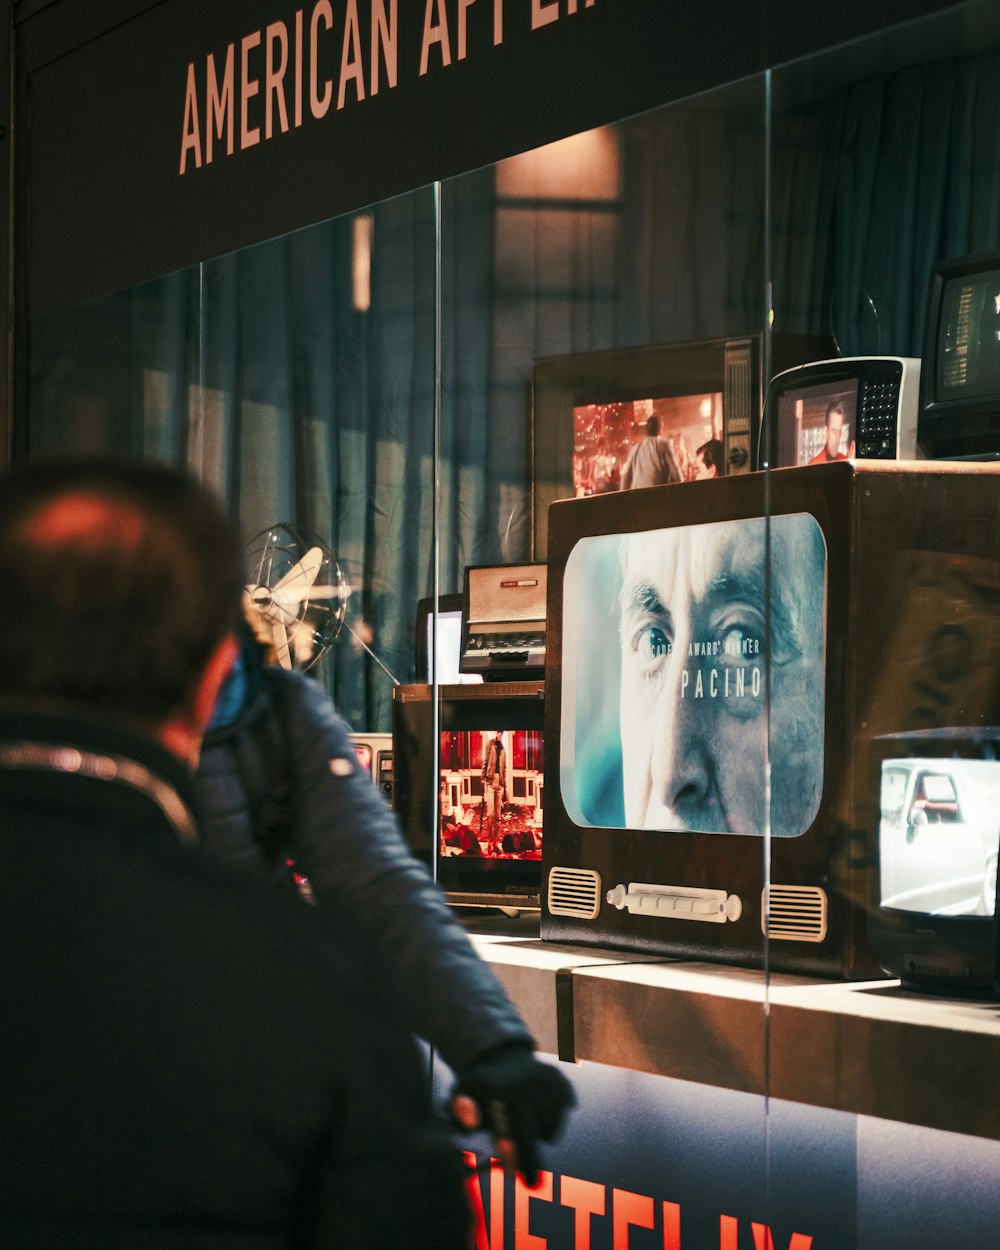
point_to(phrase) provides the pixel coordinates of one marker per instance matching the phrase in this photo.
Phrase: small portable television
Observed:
(851, 407)
(705, 397)
(374, 752)
(503, 622)
(720, 652)
(960, 382)
(469, 787)
(934, 798)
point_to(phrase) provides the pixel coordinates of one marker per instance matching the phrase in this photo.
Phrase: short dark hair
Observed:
(653, 426)
(119, 580)
(835, 405)
(713, 453)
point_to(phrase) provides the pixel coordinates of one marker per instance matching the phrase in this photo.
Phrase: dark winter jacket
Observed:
(188, 1060)
(322, 810)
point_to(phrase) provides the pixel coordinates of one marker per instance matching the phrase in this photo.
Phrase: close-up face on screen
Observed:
(938, 835)
(676, 733)
(817, 424)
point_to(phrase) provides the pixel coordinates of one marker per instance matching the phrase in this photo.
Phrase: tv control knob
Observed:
(617, 897)
(738, 456)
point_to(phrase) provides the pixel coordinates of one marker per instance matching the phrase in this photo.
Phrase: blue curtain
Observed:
(258, 370)
(874, 185)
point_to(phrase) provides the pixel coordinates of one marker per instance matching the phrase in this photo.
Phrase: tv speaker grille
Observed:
(794, 913)
(507, 592)
(574, 892)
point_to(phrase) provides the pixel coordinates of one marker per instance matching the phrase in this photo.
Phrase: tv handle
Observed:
(679, 902)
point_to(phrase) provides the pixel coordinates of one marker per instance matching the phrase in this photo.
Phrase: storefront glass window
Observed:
(744, 723)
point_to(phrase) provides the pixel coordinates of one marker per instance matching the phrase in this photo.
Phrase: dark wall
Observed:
(102, 140)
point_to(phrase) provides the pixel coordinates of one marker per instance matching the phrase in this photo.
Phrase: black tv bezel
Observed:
(951, 955)
(954, 429)
(416, 768)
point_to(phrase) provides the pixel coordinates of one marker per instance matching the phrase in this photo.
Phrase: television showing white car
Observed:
(939, 833)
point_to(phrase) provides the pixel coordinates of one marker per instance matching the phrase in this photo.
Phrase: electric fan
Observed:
(296, 596)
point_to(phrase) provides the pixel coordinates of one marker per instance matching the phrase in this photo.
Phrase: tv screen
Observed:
(857, 406)
(668, 730)
(936, 806)
(818, 423)
(469, 787)
(967, 351)
(478, 819)
(439, 633)
(960, 400)
(605, 436)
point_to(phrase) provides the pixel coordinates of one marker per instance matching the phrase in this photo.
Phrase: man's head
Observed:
(122, 584)
(711, 459)
(835, 418)
(696, 639)
(652, 427)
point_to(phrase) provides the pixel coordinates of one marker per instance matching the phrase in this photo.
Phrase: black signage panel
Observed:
(190, 129)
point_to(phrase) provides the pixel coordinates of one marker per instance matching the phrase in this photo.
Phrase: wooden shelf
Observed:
(869, 1048)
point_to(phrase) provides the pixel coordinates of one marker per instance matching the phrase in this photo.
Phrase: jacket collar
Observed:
(70, 741)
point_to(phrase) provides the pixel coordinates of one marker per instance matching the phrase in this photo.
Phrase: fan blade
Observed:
(296, 583)
(328, 592)
(280, 636)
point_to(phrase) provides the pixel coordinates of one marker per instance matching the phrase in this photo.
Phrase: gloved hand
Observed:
(517, 1098)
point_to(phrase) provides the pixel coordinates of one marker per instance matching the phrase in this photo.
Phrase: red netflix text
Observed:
(596, 1210)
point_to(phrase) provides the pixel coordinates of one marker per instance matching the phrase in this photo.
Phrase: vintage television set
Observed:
(934, 798)
(854, 406)
(440, 734)
(439, 633)
(589, 410)
(503, 622)
(960, 380)
(374, 752)
(718, 650)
